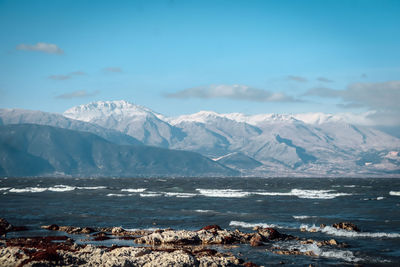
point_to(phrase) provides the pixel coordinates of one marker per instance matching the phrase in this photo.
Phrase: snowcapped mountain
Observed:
(298, 144)
(134, 120)
(21, 116)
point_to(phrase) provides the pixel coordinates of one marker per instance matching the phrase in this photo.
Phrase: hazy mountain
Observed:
(19, 116)
(239, 160)
(299, 144)
(37, 150)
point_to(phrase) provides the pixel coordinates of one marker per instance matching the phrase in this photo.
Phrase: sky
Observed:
(180, 57)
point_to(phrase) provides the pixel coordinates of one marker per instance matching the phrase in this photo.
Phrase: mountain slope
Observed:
(134, 120)
(20, 116)
(37, 150)
(299, 144)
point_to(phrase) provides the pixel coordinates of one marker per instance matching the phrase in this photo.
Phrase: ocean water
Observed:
(287, 204)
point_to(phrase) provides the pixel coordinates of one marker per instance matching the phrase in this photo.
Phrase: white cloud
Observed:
(113, 69)
(325, 80)
(59, 77)
(77, 94)
(297, 78)
(41, 47)
(382, 98)
(237, 92)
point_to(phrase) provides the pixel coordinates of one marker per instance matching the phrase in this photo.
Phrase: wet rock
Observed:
(250, 264)
(117, 230)
(115, 256)
(87, 230)
(269, 233)
(211, 227)
(256, 240)
(5, 227)
(346, 226)
(52, 227)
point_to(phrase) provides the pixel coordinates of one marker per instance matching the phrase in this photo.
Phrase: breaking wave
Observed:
(300, 193)
(394, 193)
(55, 188)
(133, 190)
(344, 233)
(303, 217)
(252, 225)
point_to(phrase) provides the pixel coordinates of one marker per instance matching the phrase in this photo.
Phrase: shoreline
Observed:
(208, 246)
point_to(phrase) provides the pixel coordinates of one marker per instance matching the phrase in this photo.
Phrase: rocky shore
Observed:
(162, 247)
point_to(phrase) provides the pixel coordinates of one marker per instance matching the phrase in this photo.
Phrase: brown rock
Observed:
(346, 226)
(256, 240)
(52, 227)
(250, 264)
(269, 233)
(332, 242)
(211, 227)
(5, 226)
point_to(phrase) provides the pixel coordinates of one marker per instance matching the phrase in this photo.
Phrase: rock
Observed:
(250, 264)
(5, 226)
(211, 227)
(28, 252)
(333, 242)
(87, 230)
(322, 225)
(269, 233)
(52, 227)
(256, 240)
(346, 226)
(117, 230)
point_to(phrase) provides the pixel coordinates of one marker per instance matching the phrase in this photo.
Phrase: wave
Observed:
(380, 198)
(300, 193)
(4, 188)
(91, 187)
(28, 190)
(150, 194)
(303, 217)
(204, 211)
(133, 190)
(252, 225)
(118, 195)
(394, 193)
(345, 255)
(182, 195)
(55, 188)
(223, 193)
(310, 194)
(344, 233)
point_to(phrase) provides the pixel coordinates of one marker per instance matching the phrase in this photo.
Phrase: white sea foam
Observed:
(91, 187)
(380, 198)
(223, 193)
(203, 211)
(344, 233)
(182, 195)
(394, 193)
(133, 190)
(4, 188)
(303, 193)
(150, 194)
(61, 188)
(252, 225)
(345, 255)
(351, 186)
(117, 195)
(303, 217)
(28, 190)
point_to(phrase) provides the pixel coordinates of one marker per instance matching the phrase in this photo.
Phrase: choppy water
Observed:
(191, 203)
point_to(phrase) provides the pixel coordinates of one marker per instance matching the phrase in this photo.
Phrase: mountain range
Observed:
(313, 144)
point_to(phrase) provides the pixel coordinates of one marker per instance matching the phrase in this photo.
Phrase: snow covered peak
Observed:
(101, 109)
(201, 116)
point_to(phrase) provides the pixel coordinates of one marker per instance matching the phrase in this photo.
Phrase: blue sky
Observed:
(179, 57)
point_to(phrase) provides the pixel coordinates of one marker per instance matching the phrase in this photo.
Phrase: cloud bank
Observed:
(66, 77)
(383, 98)
(77, 94)
(41, 47)
(297, 78)
(236, 92)
(113, 69)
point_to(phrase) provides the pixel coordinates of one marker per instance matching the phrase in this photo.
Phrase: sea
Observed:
(287, 204)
